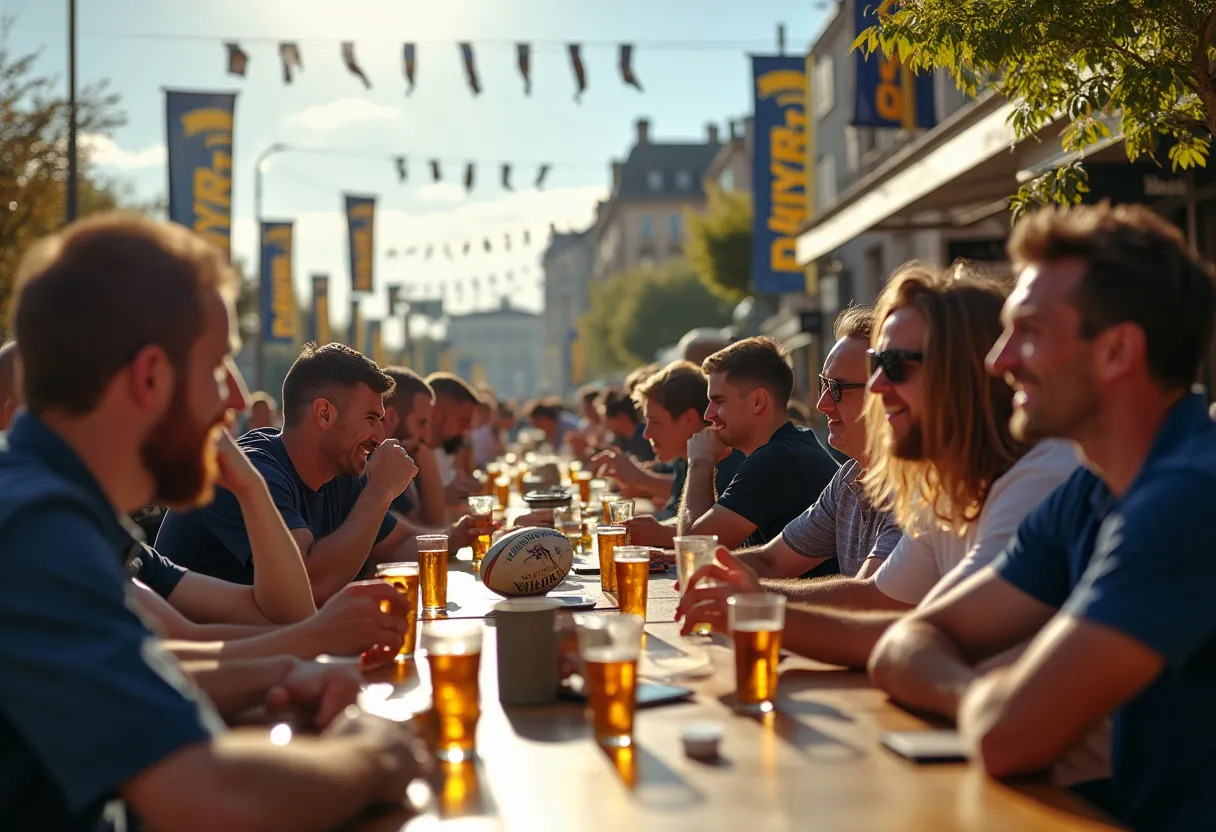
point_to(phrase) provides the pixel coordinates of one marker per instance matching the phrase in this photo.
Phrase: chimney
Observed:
(711, 131)
(643, 131)
(734, 130)
(617, 169)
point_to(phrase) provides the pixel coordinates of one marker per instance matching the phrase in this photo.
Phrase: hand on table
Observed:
(400, 754)
(327, 689)
(702, 604)
(706, 445)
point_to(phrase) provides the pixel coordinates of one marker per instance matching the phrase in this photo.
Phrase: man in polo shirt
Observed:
(125, 329)
(749, 387)
(1112, 575)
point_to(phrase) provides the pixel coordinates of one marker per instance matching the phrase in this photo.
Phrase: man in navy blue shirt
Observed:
(1104, 335)
(124, 329)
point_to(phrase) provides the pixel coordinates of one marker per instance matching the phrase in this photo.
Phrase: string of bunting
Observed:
(292, 64)
(402, 166)
(427, 250)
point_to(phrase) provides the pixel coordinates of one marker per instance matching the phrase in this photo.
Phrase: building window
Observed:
(654, 180)
(823, 92)
(675, 226)
(683, 181)
(645, 227)
(825, 182)
(727, 179)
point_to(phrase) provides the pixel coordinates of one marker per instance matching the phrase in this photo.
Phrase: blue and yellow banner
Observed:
(780, 176)
(374, 349)
(278, 302)
(885, 93)
(200, 163)
(360, 218)
(354, 334)
(320, 331)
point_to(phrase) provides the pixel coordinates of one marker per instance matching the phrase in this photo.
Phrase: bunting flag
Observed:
(436, 174)
(411, 63)
(486, 245)
(411, 251)
(289, 54)
(540, 176)
(199, 140)
(447, 249)
(360, 225)
(524, 52)
(467, 247)
(507, 241)
(402, 170)
(627, 67)
(506, 177)
(348, 58)
(320, 331)
(527, 237)
(278, 304)
(429, 251)
(238, 60)
(580, 72)
(470, 68)
(354, 334)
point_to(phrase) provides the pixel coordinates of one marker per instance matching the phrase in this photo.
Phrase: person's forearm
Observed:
(776, 559)
(207, 641)
(841, 592)
(919, 666)
(233, 684)
(699, 494)
(336, 559)
(281, 588)
(834, 636)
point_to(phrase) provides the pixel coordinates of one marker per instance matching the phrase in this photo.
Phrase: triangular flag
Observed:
(506, 238)
(237, 59)
(580, 72)
(411, 251)
(402, 171)
(436, 175)
(429, 251)
(348, 58)
(411, 64)
(527, 237)
(627, 66)
(467, 247)
(470, 67)
(289, 54)
(486, 244)
(506, 177)
(447, 249)
(524, 52)
(392, 254)
(541, 174)
(469, 174)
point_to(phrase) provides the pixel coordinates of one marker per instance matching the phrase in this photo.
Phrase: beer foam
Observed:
(612, 653)
(773, 626)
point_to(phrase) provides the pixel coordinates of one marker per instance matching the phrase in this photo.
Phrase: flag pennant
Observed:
(524, 51)
(392, 254)
(469, 175)
(348, 58)
(627, 67)
(289, 55)
(238, 60)
(402, 170)
(470, 68)
(486, 245)
(527, 238)
(541, 175)
(429, 251)
(411, 251)
(411, 63)
(467, 248)
(506, 177)
(436, 174)
(506, 240)
(447, 249)
(580, 72)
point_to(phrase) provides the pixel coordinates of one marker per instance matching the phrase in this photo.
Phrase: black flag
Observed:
(486, 245)
(348, 58)
(470, 67)
(289, 55)
(469, 174)
(580, 73)
(524, 52)
(436, 175)
(627, 66)
(411, 63)
(506, 241)
(506, 177)
(540, 176)
(238, 60)
(467, 247)
(429, 251)
(402, 171)
(447, 249)
(527, 237)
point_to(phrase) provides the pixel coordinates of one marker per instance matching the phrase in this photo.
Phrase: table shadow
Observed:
(810, 741)
(561, 721)
(652, 783)
(836, 678)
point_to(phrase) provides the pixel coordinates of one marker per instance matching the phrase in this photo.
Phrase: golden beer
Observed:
(433, 569)
(404, 576)
(632, 576)
(607, 504)
(455, 694)
(583, 480)
(481, 515)
(611, 688)
(607, 539)
(502, 491)
(757, 648)
(588, 534)
(460, 794)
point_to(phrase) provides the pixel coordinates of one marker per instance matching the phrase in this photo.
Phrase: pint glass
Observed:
(757, 620)
(609, 646)
(453, 650)
(404, 576)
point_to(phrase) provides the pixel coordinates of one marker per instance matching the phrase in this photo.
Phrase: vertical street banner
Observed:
(360, 217)
(374, 349)
(320, 310)
(886, 93)
(354, 336)
(277, 301)
(199, 141)
(780, 174)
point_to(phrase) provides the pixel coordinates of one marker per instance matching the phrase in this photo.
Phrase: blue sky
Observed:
(138, 45)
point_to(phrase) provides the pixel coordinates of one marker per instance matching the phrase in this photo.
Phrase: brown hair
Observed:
(617, 402)
(637, 377)
(329, 372)
(407, 386)
(755, 362)
(543, 409)
(452, 387)
(967, 443)
(854, 321)
(90, 297)
(1138, 269)
(677, 388)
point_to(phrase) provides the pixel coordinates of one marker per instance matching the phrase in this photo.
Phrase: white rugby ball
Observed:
(527, 562)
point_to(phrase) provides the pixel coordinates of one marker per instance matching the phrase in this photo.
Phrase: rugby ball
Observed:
(527, 562)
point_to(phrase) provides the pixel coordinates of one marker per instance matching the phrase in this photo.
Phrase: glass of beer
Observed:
(481, 512)
(620, 512)
(590, 522)
(692, 552)
(502, 491)
(607, 538)
(404, 576)
(609, 646)
(568, 520)
(453, 650)
(583, 480)
(632, 575)
(433, 569)
(606, 501)
(757, 620)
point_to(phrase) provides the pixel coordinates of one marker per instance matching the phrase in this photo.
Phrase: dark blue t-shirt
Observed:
(1144, 565)
(87, 698)
(155, 571)
(213, 540)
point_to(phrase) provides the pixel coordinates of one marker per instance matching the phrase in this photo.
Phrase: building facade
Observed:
(502, 348)
(568, 264)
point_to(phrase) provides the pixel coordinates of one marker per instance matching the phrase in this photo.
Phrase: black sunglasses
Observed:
(836, 387)
(892, 363)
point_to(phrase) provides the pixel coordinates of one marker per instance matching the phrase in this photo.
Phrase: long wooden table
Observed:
(815, 762)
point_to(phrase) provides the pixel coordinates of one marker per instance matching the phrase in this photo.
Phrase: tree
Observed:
(595, 326)
(1151, 62)
(719, 243)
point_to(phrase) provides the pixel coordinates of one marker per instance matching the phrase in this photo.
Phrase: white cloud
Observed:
(343, 113)
(102, 150)
(441, 192)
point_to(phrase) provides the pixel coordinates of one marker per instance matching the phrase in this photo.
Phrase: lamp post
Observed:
(261, 165)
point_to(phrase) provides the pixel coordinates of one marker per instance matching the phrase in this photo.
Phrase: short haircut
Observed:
(329, 372)
(588, 394)
(617, 402)
(677, 388)
(755, 362)
(407, 385)
(90, 297)
(638, 376)
(543, 410)
(452, 387)
(854, 321)
(1138, 269)
(261, 397)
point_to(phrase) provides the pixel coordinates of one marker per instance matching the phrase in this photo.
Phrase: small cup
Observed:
(701, 740)
(527, 650)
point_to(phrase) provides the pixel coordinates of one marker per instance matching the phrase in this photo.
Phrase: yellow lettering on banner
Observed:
(282, 302)
(363, 258)
(786, 219)
(788, 168)
(781, 82)
(208, 120)
(787, 178)
(782, 255)
(888, 97)
(213, 199)
(788, 145)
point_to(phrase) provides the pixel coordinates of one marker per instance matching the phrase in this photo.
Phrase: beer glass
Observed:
(606, 501)
(433, 569)
(693, 552)
(583, 480)
(453, 650)
(609, 646)
(621, 512)
(590, 522)
(607, 538)
(481, 512)
(757, 620)
(502, 491)
(404, 576)
(632, 575)
(568, 520)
